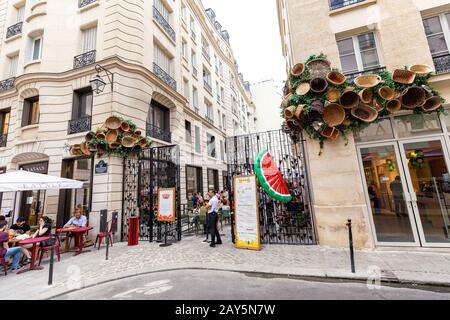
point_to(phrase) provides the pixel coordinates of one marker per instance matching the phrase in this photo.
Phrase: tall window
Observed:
(20, 14)
(163, 10)
(5, 116)
(222, 94)
(213, 179)
(437, 30)
(222, 151)
(184, 49)
(358, 53)
(209, 110)
(206, 77)
(205, 48)
(82, 103)
(183, 12)
(163, 60)
(12, 66)
(224, 121)
(2, 170)
(89, 39)
(188, 131)
(36, 49)
(186, 88)
(195, 97)
(194, 181)
(159, 116)
(221, 68)
(211, 143)
(198, 139)
(217, 92)
(192, 25)
(30, 113)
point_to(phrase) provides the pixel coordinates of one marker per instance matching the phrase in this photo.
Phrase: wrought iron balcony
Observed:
(3, 140)
(209, 119)
(7, 84)
(207, 86)
(158, 133)
(194, 71)
(79, 125)
(14, 30)
(84, 59)
(337, 4)
(164, 76)
(352, 76)
(206, 54)
(163, 23)
(84, 3)
(442, 63)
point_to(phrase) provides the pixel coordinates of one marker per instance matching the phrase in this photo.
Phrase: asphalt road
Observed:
(222, 285)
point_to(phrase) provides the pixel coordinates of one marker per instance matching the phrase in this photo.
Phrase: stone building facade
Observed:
(355, 181)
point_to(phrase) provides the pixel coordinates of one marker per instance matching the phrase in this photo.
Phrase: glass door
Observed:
(426, 165)
(386, 191)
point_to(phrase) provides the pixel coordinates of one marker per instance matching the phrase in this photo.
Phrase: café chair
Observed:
(49, 248)
(4, 264)
(102, 235)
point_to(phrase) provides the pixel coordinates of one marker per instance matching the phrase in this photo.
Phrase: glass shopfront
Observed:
(405, 161)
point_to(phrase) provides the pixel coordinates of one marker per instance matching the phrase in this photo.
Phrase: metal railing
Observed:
(3, 140)
(164, 76)
(7, 84)
(158, 133)
(13, 30)
(79, 125)
(84, 59)
(83, 3)
(442, 63)
(209, 119)
(207, 86)
(164, 23)
(352, 76)
(338, 4)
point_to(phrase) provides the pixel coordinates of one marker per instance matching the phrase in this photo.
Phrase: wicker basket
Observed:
(421, 69)
(365, 113)
(336, 78)
(432, 104)
(298, 70)
(368, 81)
(330, 133)
(294, 125)
(111, 136)
(89, 136)
(349, 100)
(113, 123)
(92, 147)
(319, 68)
(115, 145)
(125, 126)
(299, 111)
(302, 89)
(85, 149)
(334, 115)
(142, 142)
(404, 76)
(128, 142)
(333, 95)
(386, 93)
(138, 133)
(318, 85)
(101, 149)
(393, 106)
(75, 150)
(413, 97)
(100, 136)
(286, 99)
(377, 105)
(366, 95)
(289, 112)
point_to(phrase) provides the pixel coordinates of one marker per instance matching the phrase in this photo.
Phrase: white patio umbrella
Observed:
(13, 181)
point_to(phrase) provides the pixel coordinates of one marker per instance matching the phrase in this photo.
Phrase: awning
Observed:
(13, 181)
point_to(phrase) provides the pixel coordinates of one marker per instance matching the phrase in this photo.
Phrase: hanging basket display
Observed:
(432, 104)
(366, 95)
(365, 113)
(368, 81)
(349, 100)
(113, 123)
(404, 76)
(413, 97)
(303, 89)
(318, 85)
(336, 78)
(386, 93)
(421, 69)
(333, 95)
(334, 115)
(394, 106)
(319, 68)
(298, 70)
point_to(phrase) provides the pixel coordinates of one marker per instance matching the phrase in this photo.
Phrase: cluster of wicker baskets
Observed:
(335, 103)
(114, 135)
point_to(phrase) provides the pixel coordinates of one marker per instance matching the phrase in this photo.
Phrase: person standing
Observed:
(194, 200)
(397, 192)
(213, 210)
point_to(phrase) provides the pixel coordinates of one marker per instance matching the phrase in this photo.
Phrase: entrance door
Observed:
(408, 188)
(426, 165)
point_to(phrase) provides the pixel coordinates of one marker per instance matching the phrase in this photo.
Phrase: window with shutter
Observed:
(12, 68)
(20, 14)
(31, 111)
(198, 147)
(163, 60)
(89, 40)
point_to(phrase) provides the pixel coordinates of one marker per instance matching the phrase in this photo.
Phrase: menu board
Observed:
(246, 213)
(166, 204)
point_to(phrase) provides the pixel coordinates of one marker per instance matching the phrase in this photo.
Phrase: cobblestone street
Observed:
(72, 273)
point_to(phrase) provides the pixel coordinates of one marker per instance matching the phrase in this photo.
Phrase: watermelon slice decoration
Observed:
(271, 178)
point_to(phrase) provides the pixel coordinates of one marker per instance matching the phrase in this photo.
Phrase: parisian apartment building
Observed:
(371, 180)
(170, 69)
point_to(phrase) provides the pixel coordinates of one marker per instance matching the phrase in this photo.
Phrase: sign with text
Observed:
(246, 213)
(166, 204)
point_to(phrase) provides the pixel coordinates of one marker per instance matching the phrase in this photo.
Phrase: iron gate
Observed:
(280, 223)
(144, 173)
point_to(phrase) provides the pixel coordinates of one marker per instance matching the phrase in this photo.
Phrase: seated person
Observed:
(5, 250)
(45, 230)
(78, 220)
(21, 226)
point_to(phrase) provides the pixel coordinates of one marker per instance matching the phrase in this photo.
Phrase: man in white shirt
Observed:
(213, 209)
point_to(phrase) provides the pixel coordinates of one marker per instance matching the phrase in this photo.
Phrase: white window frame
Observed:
(20, 14)
(186, 88)
(445, 29)
(12, 67)
(183, 12)
(194, 97)
(33, 47)
(357, 51)
(184, 49)
(85, 43)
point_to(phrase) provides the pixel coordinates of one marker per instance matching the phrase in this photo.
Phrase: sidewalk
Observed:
(72, 273)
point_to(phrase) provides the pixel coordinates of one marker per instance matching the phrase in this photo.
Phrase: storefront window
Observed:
(213, 180)
(376, 131)
(194, 181)
(414, 125)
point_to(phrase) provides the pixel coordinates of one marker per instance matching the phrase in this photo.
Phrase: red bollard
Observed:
(133, 231)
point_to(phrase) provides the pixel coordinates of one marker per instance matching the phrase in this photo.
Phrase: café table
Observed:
(79, 239)
(66, 242)
(34, 242)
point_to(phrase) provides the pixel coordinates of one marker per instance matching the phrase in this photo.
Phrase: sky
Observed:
(254, 37)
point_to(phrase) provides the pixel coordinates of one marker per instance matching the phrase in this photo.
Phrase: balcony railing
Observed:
(197, 110)
(337, 4)
(352, 76)
(84, 3)
(158, 133)
(164, 76)
(209, 119)
(7, 84)
(14, 30)
(84, 59)
(207, 86)
(194, 71)
(442, 63)
(163, 23)
(79, 125)
(3, 140)
(206, 54)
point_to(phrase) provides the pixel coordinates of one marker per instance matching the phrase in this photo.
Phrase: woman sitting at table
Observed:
(45, 229)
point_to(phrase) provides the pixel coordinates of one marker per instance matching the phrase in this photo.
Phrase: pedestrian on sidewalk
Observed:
(213, 210)
(204, 216)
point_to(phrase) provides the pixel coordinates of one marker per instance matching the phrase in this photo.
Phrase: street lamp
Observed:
(98, 84)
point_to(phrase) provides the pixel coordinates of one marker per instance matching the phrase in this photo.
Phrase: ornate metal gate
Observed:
(280, 223)
(144, 173)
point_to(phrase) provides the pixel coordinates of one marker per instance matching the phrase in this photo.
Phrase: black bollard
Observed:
(50, 270)
(107, 246)
(350, 238)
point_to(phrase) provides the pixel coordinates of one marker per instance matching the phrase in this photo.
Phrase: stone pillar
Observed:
(338, 194)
